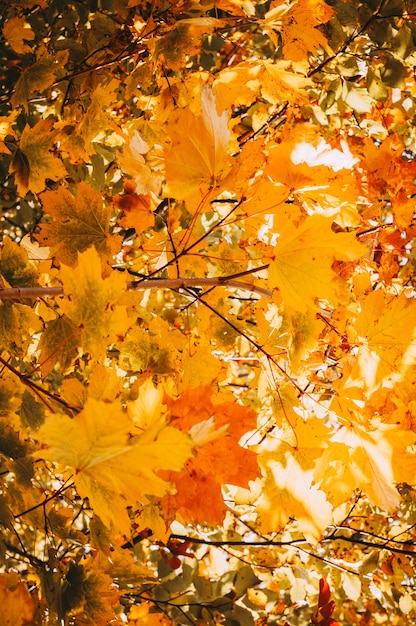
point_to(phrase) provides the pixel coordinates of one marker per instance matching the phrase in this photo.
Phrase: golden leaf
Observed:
(58, 344)
(301, 267)
(285, 80)
(361, 459)
(34, 161)
(93, 303)
(198, 156)
(385, 334)
(37, 77)
(114, 462)
(288, 489)
(78, 222)
(16, 34)
(299, 30)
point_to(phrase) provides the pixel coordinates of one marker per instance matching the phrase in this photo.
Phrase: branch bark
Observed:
(19, 293)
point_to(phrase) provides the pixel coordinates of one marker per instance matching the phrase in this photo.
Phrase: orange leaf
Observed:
(136, 208)
(16, 34)
(17, 605)
(219, 459)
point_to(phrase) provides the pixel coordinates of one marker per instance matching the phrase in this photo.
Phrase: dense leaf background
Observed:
(208, 318)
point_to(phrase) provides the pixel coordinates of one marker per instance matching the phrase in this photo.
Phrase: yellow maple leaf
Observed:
(34, 161)
(385, 334)
(58, 344)
(288, 488)
(277, 81)
(78, 222)
(235, 7)
(358, 458)
(184, 39)
(300, 35)
(238, 85)
(285, 80)
(301, 266)
(113, 461)
(198, 155)
(93, 303)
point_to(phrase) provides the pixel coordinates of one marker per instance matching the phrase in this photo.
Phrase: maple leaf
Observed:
(219, 459)
(140, 615)
(288, 488)
(362, 459)
(78, 222)
(385, 335)
(132, 161)
(301, 266)
(299, 28)
(18, 324)
(184, 39)
(234, 7)
(16, 34)
(137, 209)
(15, 266)
(198, 155)
(37, 77)
(34, 161)
(283, 80)
(114, 462)
(92, 302)
(237, 85)
(58, 344)
(18, 605)
(277, 81)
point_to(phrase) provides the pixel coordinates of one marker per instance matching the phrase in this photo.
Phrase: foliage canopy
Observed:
(208, 314)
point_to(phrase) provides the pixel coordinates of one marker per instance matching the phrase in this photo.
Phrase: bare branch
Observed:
(19, 293)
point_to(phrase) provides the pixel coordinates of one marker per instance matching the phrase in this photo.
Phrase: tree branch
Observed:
(356, 538)
(18, 293)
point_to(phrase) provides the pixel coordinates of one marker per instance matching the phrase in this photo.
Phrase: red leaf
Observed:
(324, 593)
(327, 609)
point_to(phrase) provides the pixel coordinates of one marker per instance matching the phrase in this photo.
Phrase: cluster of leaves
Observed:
(208, 315)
